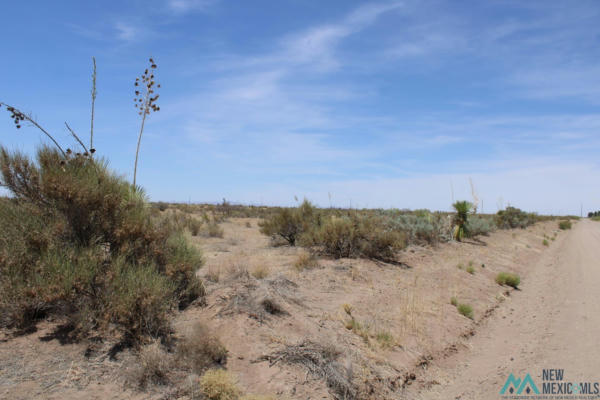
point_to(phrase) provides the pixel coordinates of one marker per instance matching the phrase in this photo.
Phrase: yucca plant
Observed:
(145, 102)
(461, 229)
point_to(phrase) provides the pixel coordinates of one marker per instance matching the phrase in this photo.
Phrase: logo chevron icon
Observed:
(513, 383)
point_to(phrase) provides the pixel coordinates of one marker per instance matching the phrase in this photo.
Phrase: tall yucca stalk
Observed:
(145, 102)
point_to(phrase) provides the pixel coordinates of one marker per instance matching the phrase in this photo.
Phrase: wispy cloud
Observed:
(184, 6)
(127, 32)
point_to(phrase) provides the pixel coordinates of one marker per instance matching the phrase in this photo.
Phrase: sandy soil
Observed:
(408, 303)
(552, 322)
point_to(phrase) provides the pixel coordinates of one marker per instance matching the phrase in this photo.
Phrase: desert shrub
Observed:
(214, 230)
(466, 310)
(305, 260)
(422, 227)
(162, 206)
(200, 349)
(290, 223)
(354, 235)
(154, 366)
(545, 242)
(505, 278)
(218, 384)
(564, 225)
(480, 226)
(79, 241)
(454, 301)
(513, 217)
(471, 269)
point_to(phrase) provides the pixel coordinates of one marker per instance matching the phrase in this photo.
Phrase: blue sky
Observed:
(369, 104)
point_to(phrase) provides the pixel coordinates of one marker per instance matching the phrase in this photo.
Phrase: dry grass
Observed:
(200, 349)
(218, 384)
(305, 260)
(154, 366)
(321, 361)
(260, 271)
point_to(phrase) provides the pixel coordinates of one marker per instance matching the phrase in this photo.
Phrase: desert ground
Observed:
(389, 326)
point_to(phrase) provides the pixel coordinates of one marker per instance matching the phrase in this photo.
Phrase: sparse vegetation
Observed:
(564, 225)
(454, 301)
(466, 310)
(154, 366)
(260, 271)
(200, 349)
(305, 260)
(471, 269)
(385, 339)
(505, 278)
(545, 242)
(322, 362)
(214, 230)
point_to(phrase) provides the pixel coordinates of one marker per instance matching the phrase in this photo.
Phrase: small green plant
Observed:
(564, 225)
(471, 269)
(454, 301)
(385, 339)
(466, 310)
(545, 242)
(506, 278)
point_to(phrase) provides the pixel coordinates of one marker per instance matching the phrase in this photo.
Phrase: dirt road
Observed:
(552, 322)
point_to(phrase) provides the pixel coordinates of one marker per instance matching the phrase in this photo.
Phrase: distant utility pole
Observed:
(581, 210)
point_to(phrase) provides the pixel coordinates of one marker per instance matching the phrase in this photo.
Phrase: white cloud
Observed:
(127, 32)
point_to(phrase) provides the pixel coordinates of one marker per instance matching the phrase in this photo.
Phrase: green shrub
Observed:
(454, 301)
(79, 241)
(545, 242)
(422, 227)
(290, 223)
(466, 310)
(480, 226)
(471, 269)
(354, 235)
(564, 225)
(505, 278)
(513, 217)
